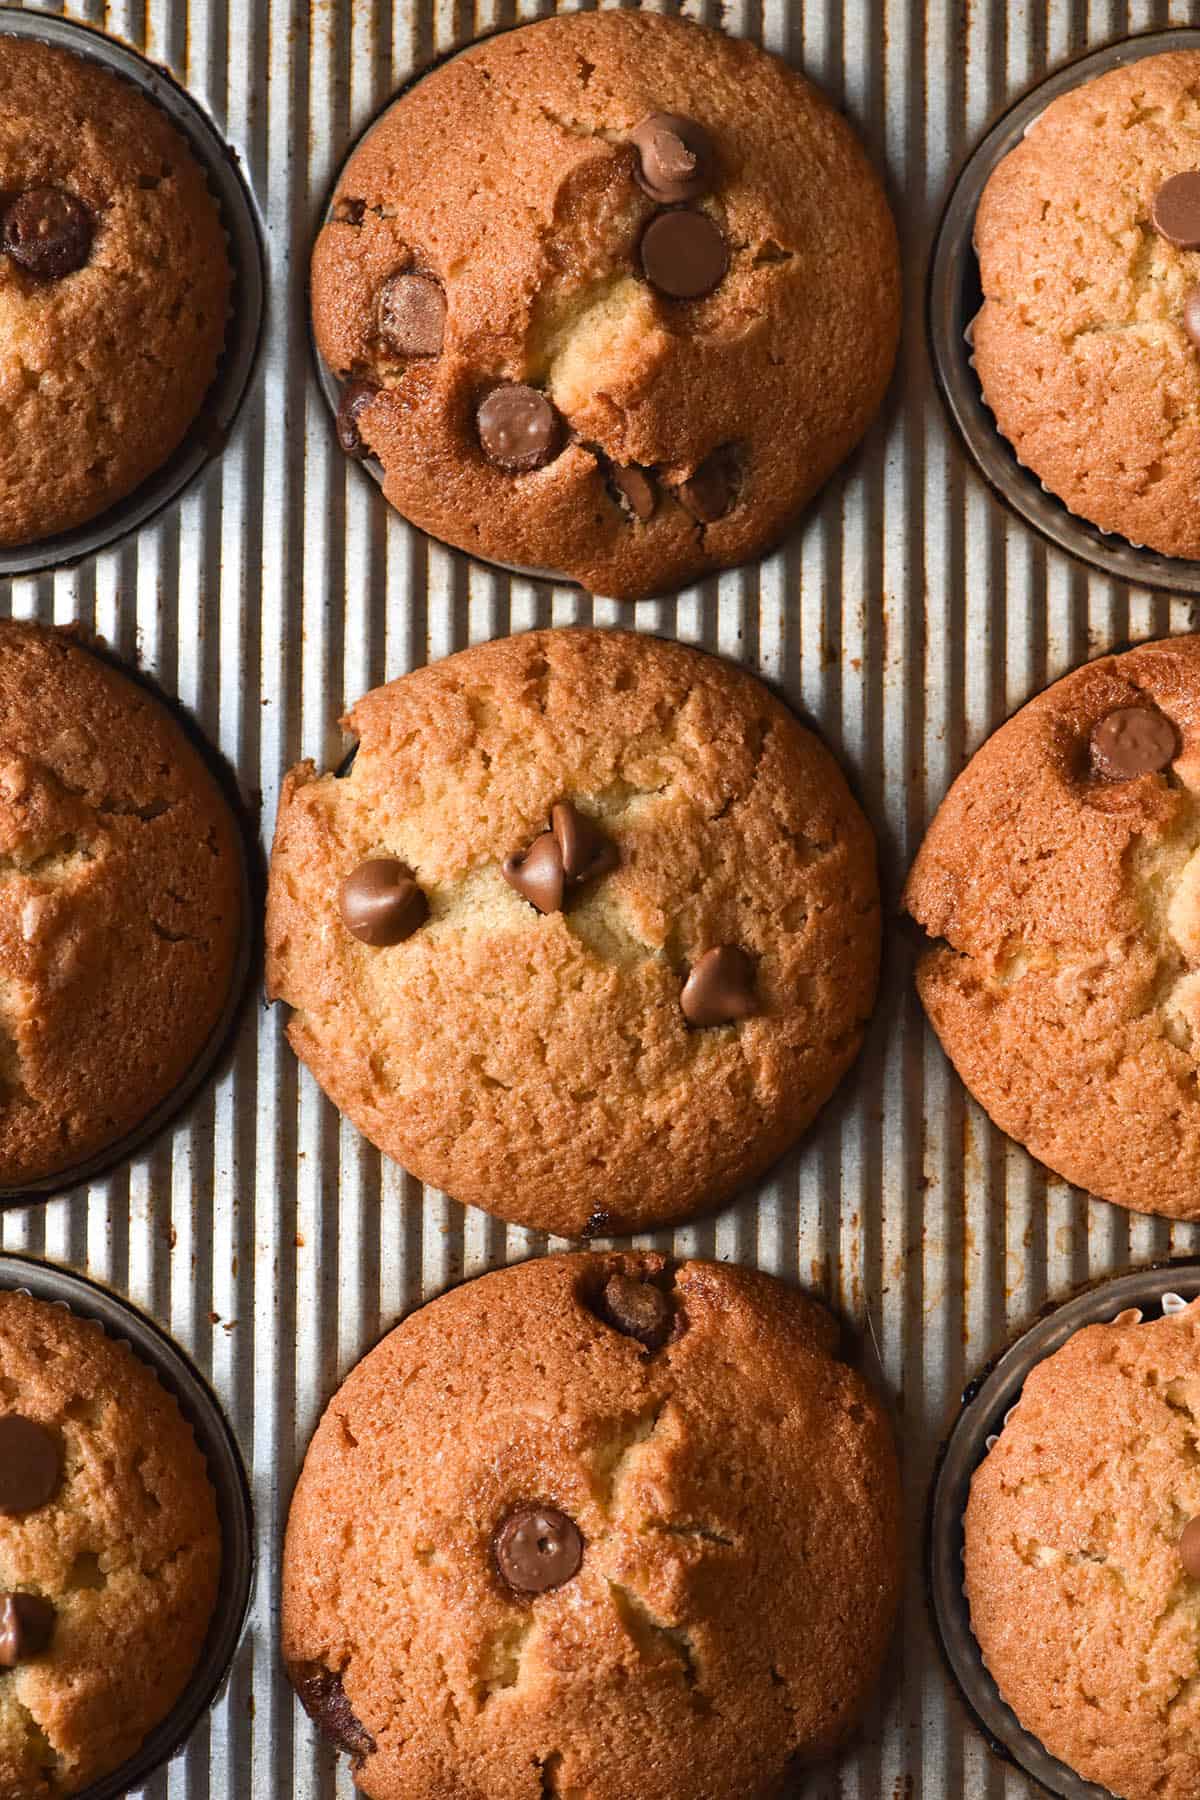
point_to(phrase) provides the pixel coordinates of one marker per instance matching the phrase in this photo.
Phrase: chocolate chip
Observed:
(675, 157)
(636, 489)
(412, 314)
(519, 428)
(638, 1309)
(537, 1548)
(30, 1464)
(356, 397)
(47, 232)
(1176, 210)
(537, 873)
(1189, 1548)
(584, 849)
(1132, 741)
(684, 254)
(26, 1627)
(720, 987)
(709, 491)
(1191, 315)
(381, 904)
(324, 1700)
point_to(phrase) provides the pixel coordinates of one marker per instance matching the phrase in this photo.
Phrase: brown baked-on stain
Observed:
(323, 1698)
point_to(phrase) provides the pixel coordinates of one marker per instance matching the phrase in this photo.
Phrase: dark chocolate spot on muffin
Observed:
(638, 1309)
(1132, 741)
(684, 254)
(356, 397)
(711, 490)
(26, 1627)
(30, 1465)
(380, 902)
(675, 157)
(1176, 210)
(412, 314)
(519, 428)
(47, 232)
(537, 1548)
(635, 490)
(324, 1700)
(720, 987)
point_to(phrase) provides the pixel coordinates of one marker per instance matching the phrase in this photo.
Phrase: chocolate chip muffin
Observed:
(643, 1539)
(120, 904)
(610, 295)
(1062, 878)
(1088, 343)
(110, 1551)
(1083, 1555)
(114, 289)
(586, 936)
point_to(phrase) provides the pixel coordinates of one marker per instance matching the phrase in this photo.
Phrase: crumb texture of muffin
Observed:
(1063, 888)
(120, 1547)
(114, 289)
(120, 904)
(716, 1584)
(636, 1052)
(703, 355)
(1084, 1592)
(1082, 346)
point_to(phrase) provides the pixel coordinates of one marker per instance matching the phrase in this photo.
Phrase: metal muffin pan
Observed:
(215, 1438)
(955, 297)
(207, 435)
(907, 617)
(986, 1405)
(251, 888)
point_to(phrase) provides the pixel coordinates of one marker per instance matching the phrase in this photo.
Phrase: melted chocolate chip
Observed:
(636, 489)
(26, 1627)
(30, 1465)
(684, 254)
(537, 873)
(585, 850)
(720, 988)
(638, 1309)
(324, 1700)
(1176, 210)
(537, 1548)
(1132, 741)
(47, 232)
(356, 397)
(709, 492)
(1189, 1548)
(519, 429)
(381, 904)
(412, 314)
(675, 157)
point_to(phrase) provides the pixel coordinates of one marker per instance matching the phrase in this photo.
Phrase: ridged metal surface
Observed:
(908, 616)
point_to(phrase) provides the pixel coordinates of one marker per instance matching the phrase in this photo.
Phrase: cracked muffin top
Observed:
(110, 1551)
(643, 1538)
(1062, 876)
(612, 295)
(1088, 343)
(114, 289)
(120, 904)
(586, 936)
(1082, 1575)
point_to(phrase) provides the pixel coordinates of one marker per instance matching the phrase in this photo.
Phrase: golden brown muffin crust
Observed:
(1082, 1608)
(128, 1551)
(1066, 988)
(507, 174)
(738, 1498)
(120, 904)
(541, 1066)
(103, 371)
(1080, 345)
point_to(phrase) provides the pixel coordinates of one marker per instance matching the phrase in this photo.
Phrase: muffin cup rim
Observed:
(953, 273)
(987, 1400)
(122, 1321)
(229, 186)
(251, 891)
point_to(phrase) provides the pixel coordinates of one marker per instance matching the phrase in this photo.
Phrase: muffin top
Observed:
(618, 1564)
(114, 289)
(1083, 1590)
(614, 294)
(1084, 347)
(587, 934)
(121, 881)
(1062, 878)
(110, 1551)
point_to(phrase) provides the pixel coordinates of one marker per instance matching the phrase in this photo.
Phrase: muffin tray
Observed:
(909, 614)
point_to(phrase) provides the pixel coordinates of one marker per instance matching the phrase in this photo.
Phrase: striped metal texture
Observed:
(907, 617)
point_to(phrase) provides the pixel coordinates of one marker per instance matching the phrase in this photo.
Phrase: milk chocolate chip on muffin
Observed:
(616, 1551)
(586, 935)
(623, 291)
(114, 289)
(1060, 884)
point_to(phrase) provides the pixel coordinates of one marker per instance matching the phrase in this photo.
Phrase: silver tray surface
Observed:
(907, 616)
